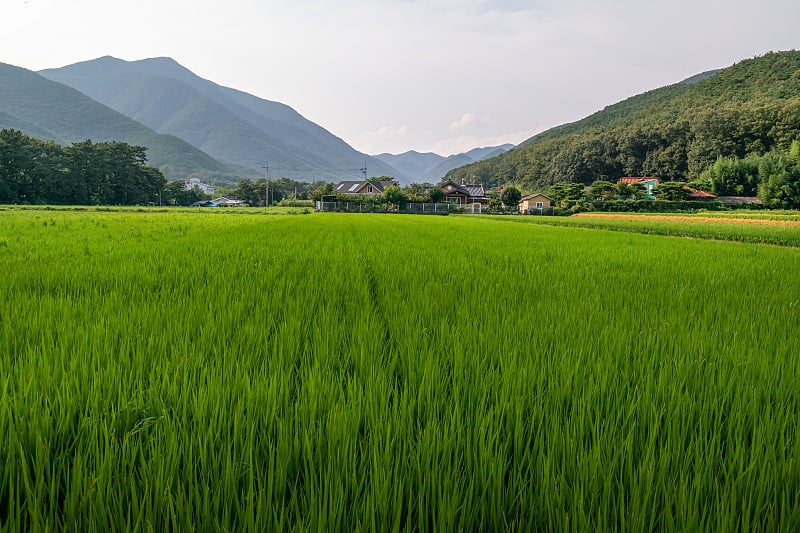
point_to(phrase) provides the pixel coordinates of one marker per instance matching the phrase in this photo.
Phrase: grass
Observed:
(781, 229)
(198, 370)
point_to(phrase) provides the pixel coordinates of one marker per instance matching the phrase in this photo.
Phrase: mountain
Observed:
(675, 132)
(48, 110)
(479, 154)
(432, 167)
(225, 123)
(412, 163)
(439, 171)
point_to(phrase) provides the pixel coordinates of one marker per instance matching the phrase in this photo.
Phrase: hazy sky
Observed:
(427, 75)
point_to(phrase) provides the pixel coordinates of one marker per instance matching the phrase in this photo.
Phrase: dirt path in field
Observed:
(717, 220)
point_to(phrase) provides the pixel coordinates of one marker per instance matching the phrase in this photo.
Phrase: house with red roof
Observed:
(701, 195)
(648, 183)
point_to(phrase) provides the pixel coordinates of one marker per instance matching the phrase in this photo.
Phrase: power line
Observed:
(266, 193)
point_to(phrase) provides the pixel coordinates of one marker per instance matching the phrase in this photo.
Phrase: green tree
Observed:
(779, 181)
(31, 170)
(731, 176)
(247, 191)
(322, 189)
(510, 196)
(415, 192)
(175, 193)
(565, 194)
(672, 190)
(701, 184)
(436, 194)
(394, 195)
(494, 203)
(630, 191)
(602, 190)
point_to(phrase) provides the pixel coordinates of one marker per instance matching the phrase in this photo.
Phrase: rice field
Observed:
(233, 371)
(770, 227)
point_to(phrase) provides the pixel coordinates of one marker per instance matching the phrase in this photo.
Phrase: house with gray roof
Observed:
(464, 193)
(363, 187)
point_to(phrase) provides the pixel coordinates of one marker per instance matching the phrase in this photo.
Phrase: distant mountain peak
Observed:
(54, 111)
(229, 125)
(429, 166)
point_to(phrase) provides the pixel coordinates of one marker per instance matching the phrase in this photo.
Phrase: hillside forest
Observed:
(676, 133)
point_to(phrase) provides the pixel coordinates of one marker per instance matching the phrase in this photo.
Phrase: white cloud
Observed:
(416, 65)
(466, 121)
(375, 141)
(466, 142)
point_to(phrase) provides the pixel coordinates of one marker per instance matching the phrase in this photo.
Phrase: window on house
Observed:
(369, 188)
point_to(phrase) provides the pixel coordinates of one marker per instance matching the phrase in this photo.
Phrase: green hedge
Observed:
(658, 206)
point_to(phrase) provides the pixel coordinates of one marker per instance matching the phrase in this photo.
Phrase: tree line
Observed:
(774, 177)
(34, 171)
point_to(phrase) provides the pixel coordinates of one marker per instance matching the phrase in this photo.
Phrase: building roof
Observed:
(383, 185)
(702, 194)
(349, 186)
(224, 200)
(534, 195)
(740, 200)
(473, 190)
(352, 186)
(631, 180)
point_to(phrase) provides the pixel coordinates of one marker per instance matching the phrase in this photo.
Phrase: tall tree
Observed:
(510, 196)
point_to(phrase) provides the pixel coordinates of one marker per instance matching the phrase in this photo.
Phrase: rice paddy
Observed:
(233, 371)
(778, 228)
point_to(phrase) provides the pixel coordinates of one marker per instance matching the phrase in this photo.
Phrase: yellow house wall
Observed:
(529, 204)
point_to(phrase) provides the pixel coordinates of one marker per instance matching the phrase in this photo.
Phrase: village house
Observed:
(363, 187)
(191, 183)
(738, 200)
(700, 195)
(534, 203)
(463, 194)
(222, 201)
(648, 183)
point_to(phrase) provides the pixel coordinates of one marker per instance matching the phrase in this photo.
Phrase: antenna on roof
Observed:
(364, 170)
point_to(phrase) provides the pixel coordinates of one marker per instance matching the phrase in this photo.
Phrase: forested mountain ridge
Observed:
(431, 167)
(49, 110)
(675, 132)
(227, 124)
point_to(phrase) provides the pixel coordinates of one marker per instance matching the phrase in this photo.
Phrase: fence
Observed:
(368, 207)
(544, 211)
(423, 208)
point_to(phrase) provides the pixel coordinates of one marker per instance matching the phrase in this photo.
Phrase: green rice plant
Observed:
(231, 371)
(723, 228)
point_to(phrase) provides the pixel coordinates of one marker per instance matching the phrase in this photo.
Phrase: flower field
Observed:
(234, 371)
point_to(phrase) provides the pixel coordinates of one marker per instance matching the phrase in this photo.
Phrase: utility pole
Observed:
(364, 170)
(266, 195)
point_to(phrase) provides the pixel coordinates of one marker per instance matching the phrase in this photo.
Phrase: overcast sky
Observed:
(427, 75)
